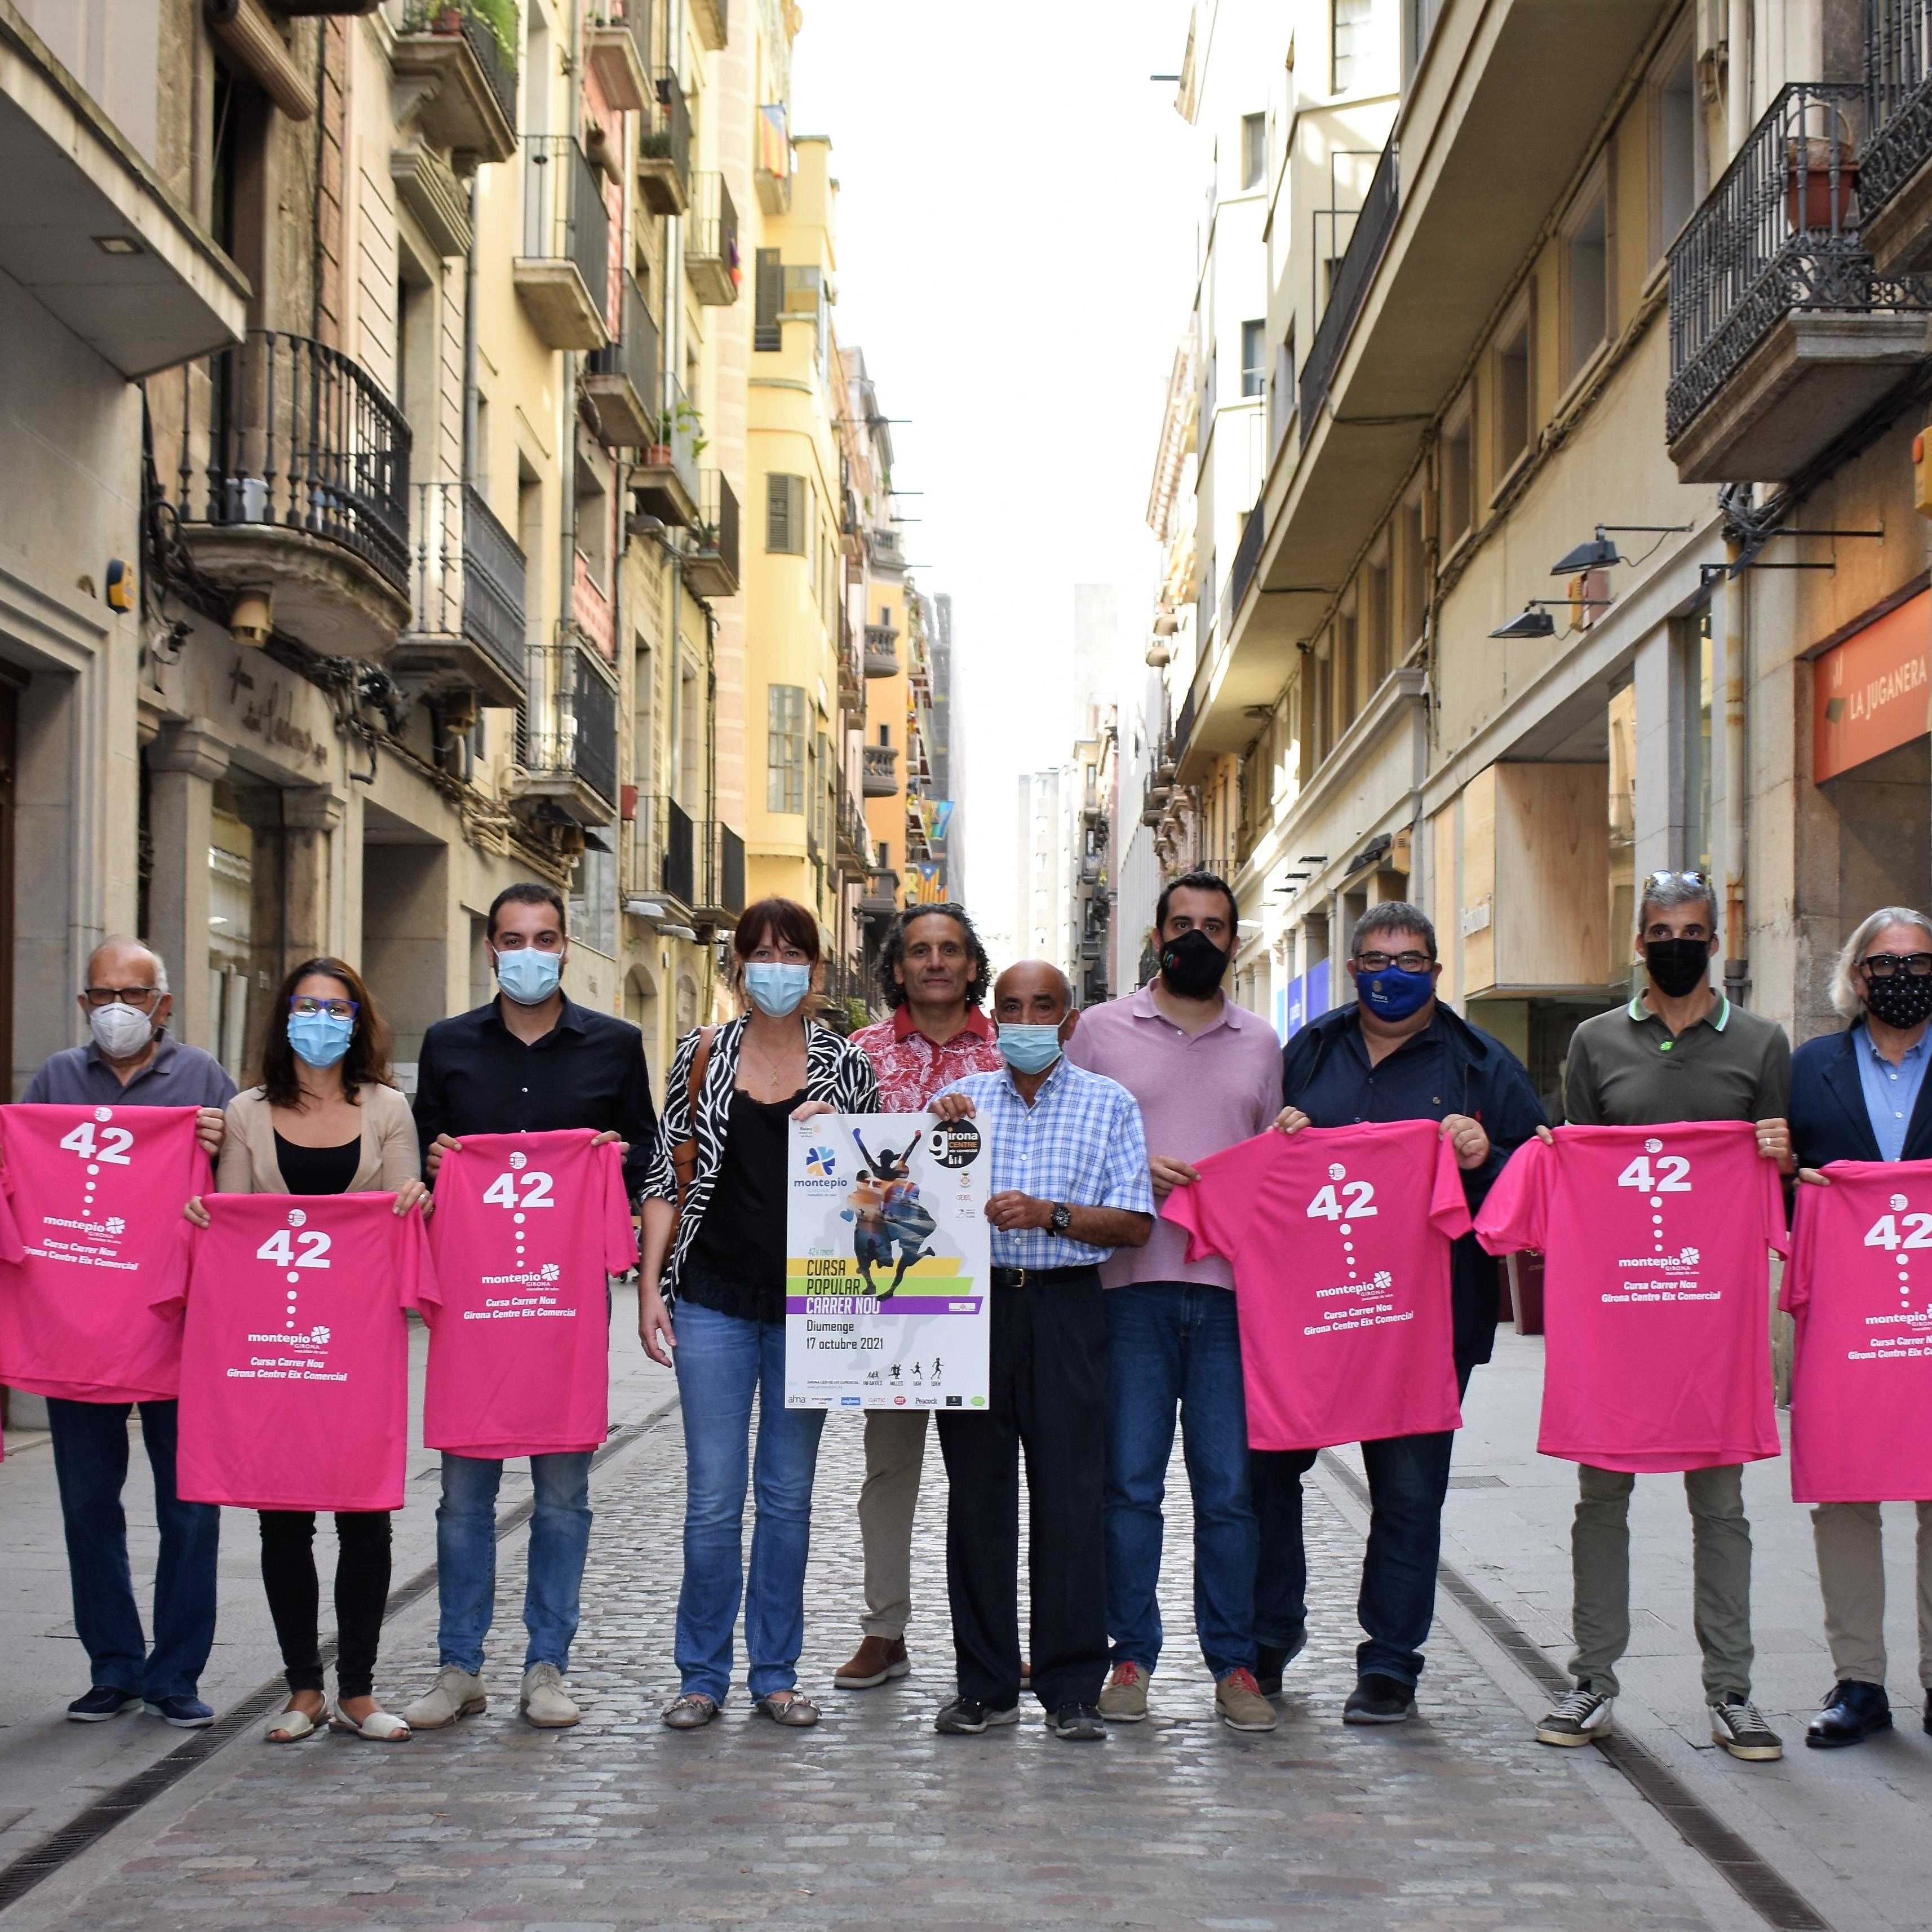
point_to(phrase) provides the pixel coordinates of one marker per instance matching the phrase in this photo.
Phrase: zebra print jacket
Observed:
(836, 1072)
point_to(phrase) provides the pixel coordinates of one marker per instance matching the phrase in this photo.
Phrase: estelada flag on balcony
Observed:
(1872, 692)
(774, 149)
(938, 817)
(927, 885)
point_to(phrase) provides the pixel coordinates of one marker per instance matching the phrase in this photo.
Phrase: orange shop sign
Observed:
(1873, 692)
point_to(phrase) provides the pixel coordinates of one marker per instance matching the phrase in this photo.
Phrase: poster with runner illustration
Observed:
(886, 1300)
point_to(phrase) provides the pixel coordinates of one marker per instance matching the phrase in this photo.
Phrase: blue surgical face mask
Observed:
(777, 985)
(529, 976)
(1394, 995)
(319, 1039)
(1029, 1049)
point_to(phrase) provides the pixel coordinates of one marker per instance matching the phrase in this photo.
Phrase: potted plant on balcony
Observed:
(681, 416)
(1821, 183)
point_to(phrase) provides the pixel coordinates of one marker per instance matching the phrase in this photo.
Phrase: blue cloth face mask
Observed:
(777, 985)
(528, 976)
(1030, 1049)
(319, 1039)
(1394, 995)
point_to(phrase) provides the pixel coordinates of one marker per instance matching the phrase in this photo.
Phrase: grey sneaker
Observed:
(544, 1701)
(457, 1693)
(1241, 1704)
(1124, 1696)
(1580, 1718)
(1741, 1728)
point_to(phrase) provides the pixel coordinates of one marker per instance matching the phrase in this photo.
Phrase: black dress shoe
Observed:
(1271, 1659)
(1377, 1700)
(1852, 1712)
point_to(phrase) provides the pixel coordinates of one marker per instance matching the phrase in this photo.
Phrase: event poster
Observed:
(885, 1290)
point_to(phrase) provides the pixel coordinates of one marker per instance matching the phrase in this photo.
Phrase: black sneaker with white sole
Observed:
(1741, 1728)
(1079, 1724)
(966, 1718)
(1580, 1718)
(1377, 1700)
(1272, 1659)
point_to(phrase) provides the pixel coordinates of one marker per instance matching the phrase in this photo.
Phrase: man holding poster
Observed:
(1069, 1184)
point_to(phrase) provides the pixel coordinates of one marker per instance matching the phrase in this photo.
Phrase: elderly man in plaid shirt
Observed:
(1070, 1184)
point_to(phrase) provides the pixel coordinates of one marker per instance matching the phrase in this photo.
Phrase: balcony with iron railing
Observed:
(1782, 333)
(881, 778)
(293, 473)
(888, 551)
(851, 669)
(711, 242)
(562, 273)
(664, 148)
(666, 480)
(621, 377)
(618, 39)
(882, 652)
(1374, 224)
(567, 735)
(855, 837)
(1895, 164)
(711, 563)
(685, 869)
(465, 632)
(462, 77)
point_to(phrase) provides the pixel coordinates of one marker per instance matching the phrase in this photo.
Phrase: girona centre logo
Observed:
(298, 1217)
(520, 1160)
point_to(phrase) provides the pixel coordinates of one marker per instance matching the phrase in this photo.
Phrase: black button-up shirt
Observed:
(474, 1076)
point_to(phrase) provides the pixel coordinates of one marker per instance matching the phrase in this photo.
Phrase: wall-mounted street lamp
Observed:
(1534, 620)
(1599, 554)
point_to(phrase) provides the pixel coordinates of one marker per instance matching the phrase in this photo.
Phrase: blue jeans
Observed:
(1177, 1344)
(90, 1443)
(722, 1361)
(466, 1556)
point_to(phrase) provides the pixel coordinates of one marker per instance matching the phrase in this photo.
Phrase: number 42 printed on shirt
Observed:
(1325, 1207)
(110, 1145)
(1672, 1174)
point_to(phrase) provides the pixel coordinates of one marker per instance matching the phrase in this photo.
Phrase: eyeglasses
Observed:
(303, 1007)
(1883, 965)
(1668, 878)
(128, 996)
(1403, 962)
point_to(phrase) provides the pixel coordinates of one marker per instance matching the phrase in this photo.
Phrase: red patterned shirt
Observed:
(911, 1070)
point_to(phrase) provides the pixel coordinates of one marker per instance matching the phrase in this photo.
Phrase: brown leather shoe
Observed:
(877, 1659)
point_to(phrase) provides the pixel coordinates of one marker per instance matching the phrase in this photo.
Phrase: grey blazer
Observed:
(247, 1164)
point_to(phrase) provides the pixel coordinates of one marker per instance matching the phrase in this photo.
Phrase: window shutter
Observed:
(778, 513)
(767, 334)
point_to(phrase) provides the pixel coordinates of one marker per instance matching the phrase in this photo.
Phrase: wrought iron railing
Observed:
(633, 353)
(569, 726)
(1779, 232)
(680, 873)
(711, 229)
(668, 137)
(1247, 558)
(468, 575)
(293, 434)
(1374, 225)
(1897, 98)
(565, 215)
(717, 533)
(855, 837)
(634, 17)
(726, 892)
(679, 426)
(465, 20)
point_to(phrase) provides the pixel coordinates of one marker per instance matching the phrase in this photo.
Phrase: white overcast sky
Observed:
(1016, 242)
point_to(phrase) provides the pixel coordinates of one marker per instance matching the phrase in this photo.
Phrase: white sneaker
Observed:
(1580, 1718)
(1741, 1728)
(456, 1694)
(544, 1702)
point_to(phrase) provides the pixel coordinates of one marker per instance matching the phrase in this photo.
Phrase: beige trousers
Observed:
(894, 1451)
(1851, 1573)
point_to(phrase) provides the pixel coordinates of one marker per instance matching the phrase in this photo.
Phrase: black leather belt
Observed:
(1003, 1277)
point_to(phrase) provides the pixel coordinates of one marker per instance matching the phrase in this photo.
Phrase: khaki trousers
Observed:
(895, 1452)
(1851, 1573)
(1721, 1547)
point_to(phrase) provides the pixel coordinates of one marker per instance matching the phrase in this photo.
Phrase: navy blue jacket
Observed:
(1829, 1119)
(1450, 1067)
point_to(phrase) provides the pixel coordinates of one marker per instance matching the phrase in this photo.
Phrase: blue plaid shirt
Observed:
(1081, 1144)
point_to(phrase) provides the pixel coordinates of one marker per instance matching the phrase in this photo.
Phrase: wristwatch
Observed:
(1062, 1218)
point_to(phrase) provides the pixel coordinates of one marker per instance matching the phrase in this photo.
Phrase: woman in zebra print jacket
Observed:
(721, 1261)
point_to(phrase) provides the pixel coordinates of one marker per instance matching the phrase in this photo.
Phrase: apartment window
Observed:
(1282, 399)
(1459, 494)
(1674, 149)
(1374, 617)
(1414, 566)
(768, 295)
(785, 751)
(592, 537)
(1586, 265)
(1513, 393)
(1254, 149)
(1254, 358)
(1418, 23)
(1353, 43)
(885, 735)
(785, 515)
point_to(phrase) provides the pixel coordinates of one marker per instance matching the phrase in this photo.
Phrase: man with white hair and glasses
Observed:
(1860, 1094)
(1679, 1050)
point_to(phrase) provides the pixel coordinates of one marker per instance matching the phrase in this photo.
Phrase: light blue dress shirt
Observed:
(1891, 1092)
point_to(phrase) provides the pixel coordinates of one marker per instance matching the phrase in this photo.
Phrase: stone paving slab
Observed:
(1457, 1821)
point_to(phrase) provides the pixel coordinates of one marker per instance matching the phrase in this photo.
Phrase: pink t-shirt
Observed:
(1340, 1238)
(528, 1229)
(295, 1357)
(97, 1194)
(1859, 1287)
(1656, 1302)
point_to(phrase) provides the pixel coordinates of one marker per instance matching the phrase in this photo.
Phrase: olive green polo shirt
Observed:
(1626, 1071)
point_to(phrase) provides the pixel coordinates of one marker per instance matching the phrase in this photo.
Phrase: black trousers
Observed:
(295, 1595)
(1048, 1397)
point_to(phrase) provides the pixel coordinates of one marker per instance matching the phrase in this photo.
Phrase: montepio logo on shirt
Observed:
(317, 1337)
(540, 1277)
(1686, 1260)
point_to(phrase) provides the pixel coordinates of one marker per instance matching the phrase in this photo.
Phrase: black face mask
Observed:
(1193, 965)
(1901, 1001)
(1677, 966)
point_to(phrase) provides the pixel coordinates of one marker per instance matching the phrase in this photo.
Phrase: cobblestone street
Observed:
(873, 1818)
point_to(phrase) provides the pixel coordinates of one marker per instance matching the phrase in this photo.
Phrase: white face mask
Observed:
(120, 1031)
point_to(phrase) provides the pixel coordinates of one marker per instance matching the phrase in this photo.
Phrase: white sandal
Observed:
(291, 1726)
(379, 1726)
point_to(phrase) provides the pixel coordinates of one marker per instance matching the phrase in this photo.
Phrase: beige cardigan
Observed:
(390, 1155)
